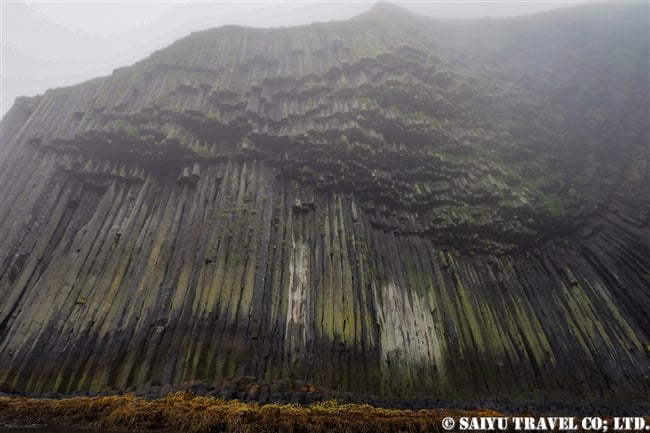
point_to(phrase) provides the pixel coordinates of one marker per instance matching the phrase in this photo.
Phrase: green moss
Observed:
(552, 203)
(202, 152)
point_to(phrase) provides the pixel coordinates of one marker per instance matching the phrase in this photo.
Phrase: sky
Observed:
(47, 44)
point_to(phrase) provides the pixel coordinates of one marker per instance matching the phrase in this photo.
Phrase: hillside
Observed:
(391, 205)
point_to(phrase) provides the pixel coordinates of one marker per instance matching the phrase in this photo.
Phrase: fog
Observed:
(54, 44)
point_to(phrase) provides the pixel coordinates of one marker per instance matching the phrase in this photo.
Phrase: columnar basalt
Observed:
(379, 206)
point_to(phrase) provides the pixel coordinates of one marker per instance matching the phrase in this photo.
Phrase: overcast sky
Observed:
(49, 44)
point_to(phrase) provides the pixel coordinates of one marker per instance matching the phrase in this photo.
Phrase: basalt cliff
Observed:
(391, 205)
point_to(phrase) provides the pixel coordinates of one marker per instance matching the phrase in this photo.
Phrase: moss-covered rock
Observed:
(388, 205)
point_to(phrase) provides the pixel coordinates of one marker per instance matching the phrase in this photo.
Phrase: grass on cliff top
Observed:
(186, 412)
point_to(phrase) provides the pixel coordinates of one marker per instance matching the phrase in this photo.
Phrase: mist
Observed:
(54, 44)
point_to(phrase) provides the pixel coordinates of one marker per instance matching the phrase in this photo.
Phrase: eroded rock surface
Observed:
(391, 205)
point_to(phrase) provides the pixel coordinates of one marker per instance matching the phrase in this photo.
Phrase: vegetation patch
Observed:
(184, 411)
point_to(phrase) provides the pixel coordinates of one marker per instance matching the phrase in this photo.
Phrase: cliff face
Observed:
(390, 205)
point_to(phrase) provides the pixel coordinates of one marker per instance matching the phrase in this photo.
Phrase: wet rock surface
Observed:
(364, 206)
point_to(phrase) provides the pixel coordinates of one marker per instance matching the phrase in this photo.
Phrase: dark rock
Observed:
(411, 212)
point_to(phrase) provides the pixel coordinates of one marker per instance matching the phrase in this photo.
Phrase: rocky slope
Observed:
(391, 205)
